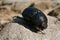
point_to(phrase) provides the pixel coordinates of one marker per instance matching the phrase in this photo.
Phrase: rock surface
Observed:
(15, 31)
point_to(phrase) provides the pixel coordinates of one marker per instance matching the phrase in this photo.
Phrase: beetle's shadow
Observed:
(21, 21)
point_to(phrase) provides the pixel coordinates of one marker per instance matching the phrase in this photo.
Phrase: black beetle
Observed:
(35, 17)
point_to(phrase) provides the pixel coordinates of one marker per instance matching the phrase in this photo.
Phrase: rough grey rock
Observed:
(15, 31)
